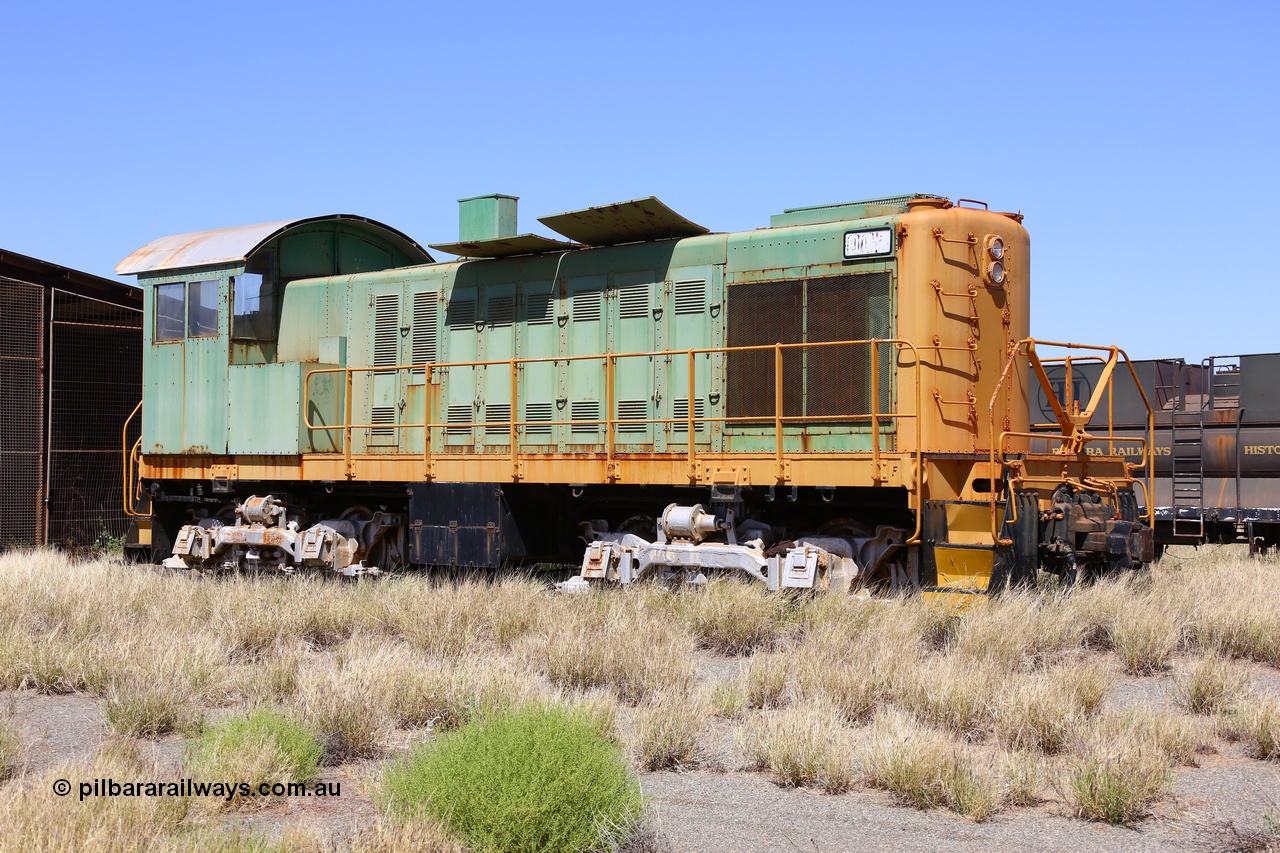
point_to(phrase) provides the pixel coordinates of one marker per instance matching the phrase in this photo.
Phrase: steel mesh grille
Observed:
(22, 416)
(96, 353)
(817, 381)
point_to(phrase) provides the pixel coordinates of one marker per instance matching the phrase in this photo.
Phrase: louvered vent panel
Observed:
(633, 301)
(425, 331)
(386, 329)
(691, 297)
(586, 306)
(585, 410)
(497, 418)
(540, 308)
(502, 311)
(462, 314)
(534, 414)
(681, 411)
(458, 415)
(632, 410)
(383, 415)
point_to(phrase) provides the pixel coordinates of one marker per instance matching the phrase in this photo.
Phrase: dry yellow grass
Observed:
(665, 730)
(927, 768)
(1002, 687)
(806, 744)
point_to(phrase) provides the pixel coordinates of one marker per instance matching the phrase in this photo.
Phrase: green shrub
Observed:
(264, 746)
(537, 778)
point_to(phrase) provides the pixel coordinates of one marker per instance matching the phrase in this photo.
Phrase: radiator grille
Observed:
(585, 410)
(497, 417)
(462, 314)
(817, 381)
(425, 329)
(386, 329)
(534, 413)
(383, 418)
(680, 410)
(633, 301)
(630, 411)
(586, 306)
(502, 311)
(458, 415)
(691, 297)
(540, 308)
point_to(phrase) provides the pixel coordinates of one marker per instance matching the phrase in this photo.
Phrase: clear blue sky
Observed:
(1139, 139)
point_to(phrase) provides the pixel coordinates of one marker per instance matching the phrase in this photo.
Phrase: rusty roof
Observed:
(233, 245)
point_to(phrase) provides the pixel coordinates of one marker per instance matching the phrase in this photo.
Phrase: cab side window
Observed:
(202, 308)
(170, 299)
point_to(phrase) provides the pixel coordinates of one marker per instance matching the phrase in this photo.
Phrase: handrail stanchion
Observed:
(609, 364)
(777, 411)
(346, 433)
(875, 411)
(693, 457)
(515, 433)
(427, 417)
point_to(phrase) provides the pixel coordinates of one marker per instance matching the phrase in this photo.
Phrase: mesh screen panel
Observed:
(817, 381)
(96, 380)
(22, 415)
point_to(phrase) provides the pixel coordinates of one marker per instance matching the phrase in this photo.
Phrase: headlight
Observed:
(995, 248)
(996, 273)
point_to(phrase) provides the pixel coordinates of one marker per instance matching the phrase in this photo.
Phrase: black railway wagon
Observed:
(1217, 441)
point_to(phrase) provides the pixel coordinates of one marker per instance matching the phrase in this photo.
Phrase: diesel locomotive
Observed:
(839, 401)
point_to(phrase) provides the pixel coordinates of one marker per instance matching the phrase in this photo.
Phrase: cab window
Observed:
(169, 304)
(202, 308)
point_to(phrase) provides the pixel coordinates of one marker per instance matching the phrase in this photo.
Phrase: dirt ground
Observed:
(724, 806)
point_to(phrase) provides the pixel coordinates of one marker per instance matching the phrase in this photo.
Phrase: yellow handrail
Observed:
(1071, 419)
(609, 422)
(129, 459)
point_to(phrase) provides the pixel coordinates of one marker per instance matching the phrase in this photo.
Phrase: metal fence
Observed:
(71, 368)
(22, 348)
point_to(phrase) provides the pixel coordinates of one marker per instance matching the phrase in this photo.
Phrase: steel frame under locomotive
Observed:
(834, 402)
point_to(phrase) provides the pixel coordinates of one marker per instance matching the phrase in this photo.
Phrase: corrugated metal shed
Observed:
(232, 245)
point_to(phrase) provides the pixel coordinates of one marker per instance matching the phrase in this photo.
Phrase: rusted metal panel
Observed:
(623, 222)
(222, 246)
(502, 247)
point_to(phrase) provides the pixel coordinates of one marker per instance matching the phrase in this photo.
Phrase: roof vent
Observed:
(486, 217)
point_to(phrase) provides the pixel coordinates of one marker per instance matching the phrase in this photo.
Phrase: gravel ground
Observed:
(724, 806)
